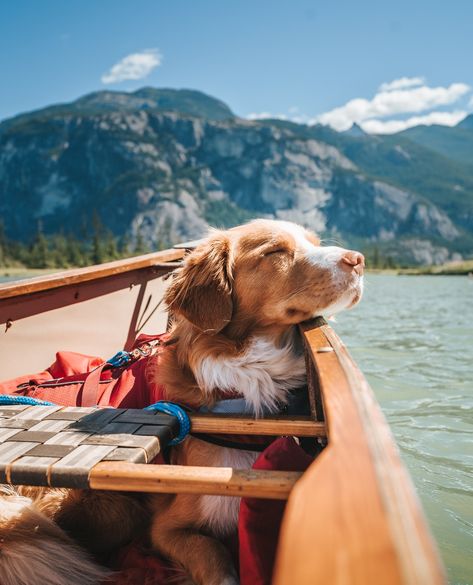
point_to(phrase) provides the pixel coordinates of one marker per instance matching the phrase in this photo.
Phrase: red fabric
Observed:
(62, 383)
(260, 520)
(136, 566)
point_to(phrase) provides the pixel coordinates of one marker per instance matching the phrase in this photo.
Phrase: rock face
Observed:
(169, 174)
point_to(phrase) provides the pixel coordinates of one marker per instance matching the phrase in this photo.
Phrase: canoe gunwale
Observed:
(356, 504)
(75, 276)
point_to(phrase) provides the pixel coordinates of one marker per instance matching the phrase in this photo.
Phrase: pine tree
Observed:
(140, 245)
(98, 245)
(75, 254)
(111, 249)
(124, 246)
(39, 256)
(59, 251)
(164, 235)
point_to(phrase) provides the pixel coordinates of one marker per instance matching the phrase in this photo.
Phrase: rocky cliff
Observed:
(167, 165)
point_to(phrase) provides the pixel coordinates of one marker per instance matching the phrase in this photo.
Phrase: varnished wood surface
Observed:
(239, 425)
(222, 481)
(354, 517)
(89, 273)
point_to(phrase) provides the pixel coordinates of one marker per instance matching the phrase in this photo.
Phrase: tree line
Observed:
(67, 250)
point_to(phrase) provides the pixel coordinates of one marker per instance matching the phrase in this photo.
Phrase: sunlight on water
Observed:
(413, 338)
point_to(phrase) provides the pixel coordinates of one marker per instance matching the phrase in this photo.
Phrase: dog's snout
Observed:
(353, 262)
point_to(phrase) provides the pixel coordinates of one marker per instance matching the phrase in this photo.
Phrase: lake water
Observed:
(413, 338)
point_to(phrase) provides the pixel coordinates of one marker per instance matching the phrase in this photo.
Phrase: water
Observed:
(413, 338)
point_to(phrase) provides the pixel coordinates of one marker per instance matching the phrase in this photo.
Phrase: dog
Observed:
(235, 303)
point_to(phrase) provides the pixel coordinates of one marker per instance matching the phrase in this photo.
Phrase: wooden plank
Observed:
(192, 480)
(354, 516)
(79, 275)
(239, 425)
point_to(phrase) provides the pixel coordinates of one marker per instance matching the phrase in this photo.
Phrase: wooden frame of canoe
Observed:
(352, 517)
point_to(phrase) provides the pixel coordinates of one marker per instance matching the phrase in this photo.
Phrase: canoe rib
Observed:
(355, 507)
(220, 481)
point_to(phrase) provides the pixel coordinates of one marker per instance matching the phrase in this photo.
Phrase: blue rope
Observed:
(6, 400)
(121, 358)
(177, 411)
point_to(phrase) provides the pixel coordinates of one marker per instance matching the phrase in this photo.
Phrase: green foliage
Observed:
(164, 236)
(66, 251)
(376, 260)
(225, 214)
(454, 143)
(140, 244)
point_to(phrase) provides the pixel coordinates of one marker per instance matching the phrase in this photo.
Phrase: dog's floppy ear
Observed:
(202, 288)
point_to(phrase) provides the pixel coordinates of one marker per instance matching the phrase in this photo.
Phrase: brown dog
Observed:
(236, 302)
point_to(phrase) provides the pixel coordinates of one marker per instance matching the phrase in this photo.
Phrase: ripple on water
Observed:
(412, 337)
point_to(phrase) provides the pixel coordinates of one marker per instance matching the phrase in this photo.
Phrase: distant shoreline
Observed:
(9, 274)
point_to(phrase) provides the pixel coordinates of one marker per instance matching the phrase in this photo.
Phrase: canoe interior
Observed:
(353, 517)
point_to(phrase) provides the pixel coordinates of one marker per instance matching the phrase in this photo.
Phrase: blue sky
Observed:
(300, 59)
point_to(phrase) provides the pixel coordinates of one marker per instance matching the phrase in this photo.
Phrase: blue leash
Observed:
(177, 411)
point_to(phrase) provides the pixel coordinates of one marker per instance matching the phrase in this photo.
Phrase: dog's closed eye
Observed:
(274, 251)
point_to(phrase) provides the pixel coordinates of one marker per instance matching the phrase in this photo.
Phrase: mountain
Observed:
(354, 130)
(184, 101)
(164, 164)
(454, 143)
(466, 122)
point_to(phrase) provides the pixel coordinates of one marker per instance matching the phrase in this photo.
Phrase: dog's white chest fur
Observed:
(263, 373)
(220, 513)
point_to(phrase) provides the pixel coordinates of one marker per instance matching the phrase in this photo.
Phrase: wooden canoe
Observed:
(352, 518)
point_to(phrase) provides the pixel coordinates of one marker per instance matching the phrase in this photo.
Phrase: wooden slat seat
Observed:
(105, 448)
(54, 446)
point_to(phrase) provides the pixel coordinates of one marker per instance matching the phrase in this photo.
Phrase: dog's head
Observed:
(264, 273)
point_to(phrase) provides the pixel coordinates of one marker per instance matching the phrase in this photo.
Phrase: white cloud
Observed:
(402, 83)
(406, 95)
(292, 116)
(265, 116)
(392, 126)
(389, 103)
(134, 66)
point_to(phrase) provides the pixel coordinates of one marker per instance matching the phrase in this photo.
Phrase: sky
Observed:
(384, 65)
